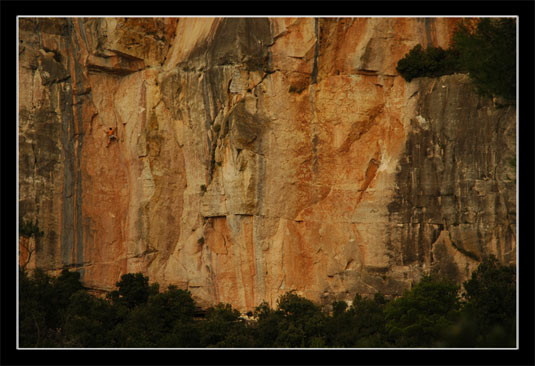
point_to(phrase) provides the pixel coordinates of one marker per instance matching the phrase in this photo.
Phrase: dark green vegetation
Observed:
(58, 312)
(429, 62)
(487, 54)
(29, 229)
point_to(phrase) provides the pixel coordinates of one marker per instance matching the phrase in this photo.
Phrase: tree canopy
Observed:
(487, 54)
(59, 312)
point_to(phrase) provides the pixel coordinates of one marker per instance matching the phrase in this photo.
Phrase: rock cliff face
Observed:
(257, 156)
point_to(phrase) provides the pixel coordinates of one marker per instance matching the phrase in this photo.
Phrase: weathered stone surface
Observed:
(456, 184)
(257, 156)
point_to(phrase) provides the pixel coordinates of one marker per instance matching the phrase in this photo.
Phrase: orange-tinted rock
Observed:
(257, 156)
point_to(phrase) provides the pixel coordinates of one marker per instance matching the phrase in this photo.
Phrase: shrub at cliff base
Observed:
(42, 301)
(489, 56)
(58, 312)
(224, 328)
(488, 315)
(491, 291)
(340, 329)
(431, 62)
(133, 290)
(88, 322)
(164, 320)
(32, 299)
(301, 324)
(490, 304)
(297, 322)
(418, 318)
(370, 322)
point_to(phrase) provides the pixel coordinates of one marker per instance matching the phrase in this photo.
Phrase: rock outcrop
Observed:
(257, 156)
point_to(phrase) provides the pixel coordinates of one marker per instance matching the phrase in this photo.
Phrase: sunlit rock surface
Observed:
(257, 156)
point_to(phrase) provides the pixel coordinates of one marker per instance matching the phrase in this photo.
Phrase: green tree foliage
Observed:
(362, 325)
(164, 320)
(297, 322)
(58, 312)
(67, 284)
(417, 318)
(133, 290)
(339, 307)
(267, 324)
(490, 297)
(42, 300)
(88, 322)
(224, 328)
(303, 316)
(489, 56)
(492, 291)
(370, 321)
(340, 329)
(137, 330)
(32, 324)
(174, 305)
(488, 314)
(430, 62)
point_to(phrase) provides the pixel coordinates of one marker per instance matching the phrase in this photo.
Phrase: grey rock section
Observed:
(41, 152)
(457, 178)
(50, 142)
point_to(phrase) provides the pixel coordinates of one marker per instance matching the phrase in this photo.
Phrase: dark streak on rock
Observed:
(314, 74)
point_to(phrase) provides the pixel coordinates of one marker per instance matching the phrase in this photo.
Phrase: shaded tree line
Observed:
(487, 54)
(59, 312)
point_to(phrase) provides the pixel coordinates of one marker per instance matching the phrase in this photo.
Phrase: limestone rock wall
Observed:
(257, 156)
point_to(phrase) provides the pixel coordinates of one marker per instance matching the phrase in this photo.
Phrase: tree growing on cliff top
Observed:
(488, 54)
(429, 62)
(134, 290)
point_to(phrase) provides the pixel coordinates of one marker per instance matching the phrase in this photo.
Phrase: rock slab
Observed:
(256, 156)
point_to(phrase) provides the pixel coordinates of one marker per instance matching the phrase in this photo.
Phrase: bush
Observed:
(174, 305)
(42, 304)
(32, 323)
(223, 328)
(58, 312)
(370, 321)
(164, 320)
(297, 322)
(431, 62)
(418, 318)
(88, 321)
(267, 325)
(133, 290)
(489, 56)
(302, 321)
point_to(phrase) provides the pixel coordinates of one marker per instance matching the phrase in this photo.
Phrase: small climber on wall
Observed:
(111, 135)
